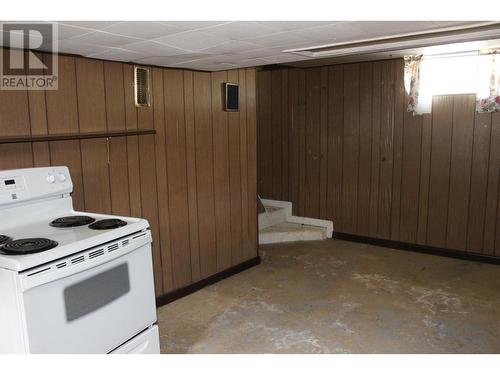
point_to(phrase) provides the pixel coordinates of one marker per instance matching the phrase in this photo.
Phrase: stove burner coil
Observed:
(71, 221)
(107, 224)
(4, 239)
(27, 246)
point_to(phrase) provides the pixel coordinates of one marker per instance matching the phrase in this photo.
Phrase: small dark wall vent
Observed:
(141, 87)
(231, 92)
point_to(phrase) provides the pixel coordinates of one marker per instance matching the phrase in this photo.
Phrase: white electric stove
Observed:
(71, 282)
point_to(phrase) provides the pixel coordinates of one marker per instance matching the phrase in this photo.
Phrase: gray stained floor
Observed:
(334, 296)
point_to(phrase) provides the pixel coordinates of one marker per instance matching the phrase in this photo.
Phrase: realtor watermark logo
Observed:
(22, 66)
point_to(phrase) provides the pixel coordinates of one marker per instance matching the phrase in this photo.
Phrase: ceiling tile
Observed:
(66, 32)
(79, 48)
(232, 46)
(170, 60)
(278, 39)
(118, 54)
(105, 39)
(154, 48)
(96, 25)
(295, 25)
(143, 29)
(241, 30)
(256, 53)
(194, 25)
(335, 33)
(192, 40)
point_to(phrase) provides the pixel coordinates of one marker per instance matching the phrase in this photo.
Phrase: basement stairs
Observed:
(277, 224)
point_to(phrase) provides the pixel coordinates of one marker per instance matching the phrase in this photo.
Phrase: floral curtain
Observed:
(488, 99)
(412, 81)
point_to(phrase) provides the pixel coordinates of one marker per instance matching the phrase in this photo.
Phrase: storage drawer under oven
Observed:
(147, 342)
(95, 310)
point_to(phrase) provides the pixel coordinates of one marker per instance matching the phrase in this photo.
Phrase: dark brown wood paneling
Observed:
(115, 118)
(478, 181)
(285, 130)
(386, 150)
(92, 117)
(175, 138)
(410, 176)
(365, 148)
(265, 157)
(38, 124)
(398, 145)
(251, 103)
(205, 175)
(149, 193)
(335, 142)
(302, 144)
(233, 125)
(293, 138)
(276, 133)
(439, 180)
(132, 142)
(491, 220)
(375, 157)
(14, 120)
(166, 177)
(312, 135)
(191, 171)
(429, 179)
(425, 166)
(161, 178)
(350, 155)
(460, 167)
(62, 117)
(221, 172)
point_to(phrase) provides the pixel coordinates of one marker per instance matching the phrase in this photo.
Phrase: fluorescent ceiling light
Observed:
(485, 30)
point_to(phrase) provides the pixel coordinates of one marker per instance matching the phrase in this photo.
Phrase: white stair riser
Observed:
(267, 238)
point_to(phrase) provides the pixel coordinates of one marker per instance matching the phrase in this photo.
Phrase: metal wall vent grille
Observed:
(141, 87)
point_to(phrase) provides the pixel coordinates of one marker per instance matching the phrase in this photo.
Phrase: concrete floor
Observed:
(333, 296)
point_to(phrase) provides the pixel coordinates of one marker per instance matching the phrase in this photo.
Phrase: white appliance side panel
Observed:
(148, 342)
(12, 332)
(94, 322)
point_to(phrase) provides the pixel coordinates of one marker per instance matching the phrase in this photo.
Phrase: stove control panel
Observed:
(20, 185)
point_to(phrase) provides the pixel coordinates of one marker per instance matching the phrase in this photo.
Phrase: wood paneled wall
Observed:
(194, 180)
(338, 142)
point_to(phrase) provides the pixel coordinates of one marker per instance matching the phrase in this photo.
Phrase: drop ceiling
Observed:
(213, 46)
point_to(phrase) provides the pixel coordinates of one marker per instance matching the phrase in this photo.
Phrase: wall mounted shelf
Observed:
(70, 136)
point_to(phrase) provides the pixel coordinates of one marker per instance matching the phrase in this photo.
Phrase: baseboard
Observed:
(191, 288)
(450, 253)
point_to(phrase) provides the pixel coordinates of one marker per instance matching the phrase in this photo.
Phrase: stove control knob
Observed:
(51, 178)
(61, 177)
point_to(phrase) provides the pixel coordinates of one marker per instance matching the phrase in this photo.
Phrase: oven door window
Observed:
(96, 292)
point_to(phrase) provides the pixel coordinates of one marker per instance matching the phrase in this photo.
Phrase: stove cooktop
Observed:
(69, 239)
(25, 246)
(71, 221)
(107, 224)
(4, 239)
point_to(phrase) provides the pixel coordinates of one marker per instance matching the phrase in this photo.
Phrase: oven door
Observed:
(95, 310)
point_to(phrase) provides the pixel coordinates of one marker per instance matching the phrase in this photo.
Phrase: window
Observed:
(467, 73)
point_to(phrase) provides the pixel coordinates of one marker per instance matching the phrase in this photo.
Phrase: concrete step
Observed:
(276, 212)
(288, 232)
(278, 224)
